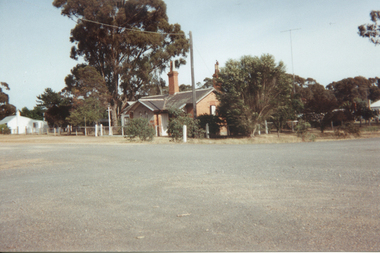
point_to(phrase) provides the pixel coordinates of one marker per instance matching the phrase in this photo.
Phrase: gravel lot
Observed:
(322, 196)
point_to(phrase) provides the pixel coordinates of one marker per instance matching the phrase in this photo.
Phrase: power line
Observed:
(129, 29)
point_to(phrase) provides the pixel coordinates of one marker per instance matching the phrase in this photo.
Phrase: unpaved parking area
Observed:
(122, 197)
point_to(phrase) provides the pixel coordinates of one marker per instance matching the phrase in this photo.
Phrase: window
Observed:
(35, 124)
(212, 110)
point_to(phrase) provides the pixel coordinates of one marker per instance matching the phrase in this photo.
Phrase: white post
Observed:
(184, 133)
(266, 127)
(101, 129)
(54, 131)
(96, 130)
(109, 122)
(259, 129)
(207, 131)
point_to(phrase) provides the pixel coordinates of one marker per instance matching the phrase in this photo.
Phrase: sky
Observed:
(324, 41)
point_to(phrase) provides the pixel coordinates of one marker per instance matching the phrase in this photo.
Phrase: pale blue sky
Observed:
(35, 46)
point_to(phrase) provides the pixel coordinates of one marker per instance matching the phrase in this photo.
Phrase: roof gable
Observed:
(164, 102)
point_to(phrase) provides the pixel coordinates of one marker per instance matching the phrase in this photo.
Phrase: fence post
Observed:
(266, 127)
(85, 131)
(184, 133)
(101, 129)
(54, 131)
(207, 131)
(96, 130)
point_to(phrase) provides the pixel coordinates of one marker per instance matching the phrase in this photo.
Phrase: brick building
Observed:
(155, 108)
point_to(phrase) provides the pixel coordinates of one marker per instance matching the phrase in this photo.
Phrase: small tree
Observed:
(141, 128)
(301, 129)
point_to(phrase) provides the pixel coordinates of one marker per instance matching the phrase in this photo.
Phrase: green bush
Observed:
(178, 118)
(4, 129)
(212, 121)
(301, 129)
(141, 128)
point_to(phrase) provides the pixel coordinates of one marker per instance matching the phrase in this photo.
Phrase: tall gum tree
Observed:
(128, 42)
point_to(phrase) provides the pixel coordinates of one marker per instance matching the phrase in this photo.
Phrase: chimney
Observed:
(173, 80)
(216, 76)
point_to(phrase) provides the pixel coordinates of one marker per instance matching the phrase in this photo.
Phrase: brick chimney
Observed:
(173, 80)
(216, 76)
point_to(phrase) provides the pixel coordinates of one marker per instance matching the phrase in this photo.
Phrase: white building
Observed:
(22, 125)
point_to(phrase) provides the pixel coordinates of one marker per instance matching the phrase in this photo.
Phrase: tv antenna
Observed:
(291, 51)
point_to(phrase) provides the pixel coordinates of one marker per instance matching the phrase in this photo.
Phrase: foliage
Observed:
(213, 122)
(178, 118)
(251, 91)
(362, 110)
(287, 111)
(36, 113)
(348, 90)
(4, 129)
(56, 107)
(302, 128)
(6, 109)
(128, 42)
(371, 31)
(86, 112)
(346, 129)
(57, 115)
(140, 127)
(89, 95)
(49, 99)
(85, 82)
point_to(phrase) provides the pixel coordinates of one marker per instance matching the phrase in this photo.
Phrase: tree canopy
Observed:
(371, 31)
(6, 109)
(128, 42)
(252, 89)
(89, 95)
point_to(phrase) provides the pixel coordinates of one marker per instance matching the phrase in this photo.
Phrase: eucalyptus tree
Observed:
(128, 42)
(252, 89)
(371, 31)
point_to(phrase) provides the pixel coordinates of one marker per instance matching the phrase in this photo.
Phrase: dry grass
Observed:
(286, 137)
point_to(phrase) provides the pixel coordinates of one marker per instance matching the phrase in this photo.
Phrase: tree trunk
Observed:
(114, 119)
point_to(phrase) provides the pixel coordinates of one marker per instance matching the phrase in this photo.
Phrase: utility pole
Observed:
(291, 51)
(192, 76)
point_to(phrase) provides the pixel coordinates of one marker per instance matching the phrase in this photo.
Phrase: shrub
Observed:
(350, 128)
(178, 118)
(4, 129)
(212, 121)
(140, 127)
(301, 129)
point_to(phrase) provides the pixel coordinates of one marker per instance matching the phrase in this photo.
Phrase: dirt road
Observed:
(111, 197)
